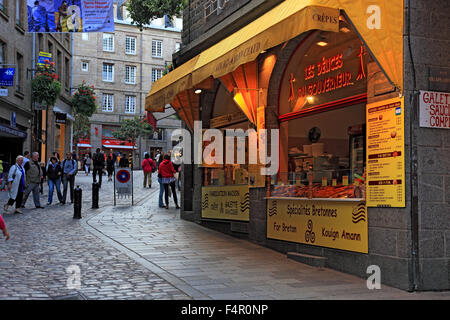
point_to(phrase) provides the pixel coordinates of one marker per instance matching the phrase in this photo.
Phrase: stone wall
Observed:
(430, 40)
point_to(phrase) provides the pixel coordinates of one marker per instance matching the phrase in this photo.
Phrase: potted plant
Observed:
(84, 100)
(45, 87)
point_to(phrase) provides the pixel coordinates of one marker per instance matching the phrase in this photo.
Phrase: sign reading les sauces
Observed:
(434, 109)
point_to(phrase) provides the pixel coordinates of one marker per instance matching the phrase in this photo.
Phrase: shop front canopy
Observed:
(378, 22)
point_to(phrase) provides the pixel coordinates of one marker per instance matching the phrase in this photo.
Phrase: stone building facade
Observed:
(122, 68)
(34, 130)
(410, 244)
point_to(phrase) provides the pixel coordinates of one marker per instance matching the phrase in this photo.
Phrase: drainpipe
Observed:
(140, 96)
(414, 274)
(70, 90)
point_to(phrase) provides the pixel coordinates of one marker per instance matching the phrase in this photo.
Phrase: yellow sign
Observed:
(226, 202)
(332, 224)
(386, 153)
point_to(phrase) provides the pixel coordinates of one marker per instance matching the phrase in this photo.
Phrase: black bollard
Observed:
(95, 189)
(77, 195)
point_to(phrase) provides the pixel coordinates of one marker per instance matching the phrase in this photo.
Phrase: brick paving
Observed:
(45, 242)
(144, 252)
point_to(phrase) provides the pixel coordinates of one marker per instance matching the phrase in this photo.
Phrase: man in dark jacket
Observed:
(34, 175)
(54, 173)
(99, 165)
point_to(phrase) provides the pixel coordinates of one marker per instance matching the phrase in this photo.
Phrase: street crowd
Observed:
(28, 175)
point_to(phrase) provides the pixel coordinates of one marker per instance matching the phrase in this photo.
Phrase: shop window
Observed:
(3, 6)
(85, 36)
(67, 74)
(325, 155)
(158, 134)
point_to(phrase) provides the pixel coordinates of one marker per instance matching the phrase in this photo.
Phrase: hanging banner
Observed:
(434, 109)
(7, 77)
(332, 224)
(44, 59)
(226, 202)
(386, 153)
(70, 16)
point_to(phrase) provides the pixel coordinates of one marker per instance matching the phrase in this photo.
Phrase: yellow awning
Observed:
(379, 22)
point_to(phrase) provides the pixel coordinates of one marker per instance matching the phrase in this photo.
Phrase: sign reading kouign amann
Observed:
(333, 224)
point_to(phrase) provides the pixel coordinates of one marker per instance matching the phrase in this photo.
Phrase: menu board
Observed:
(385, 153)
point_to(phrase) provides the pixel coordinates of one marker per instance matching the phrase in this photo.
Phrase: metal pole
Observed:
(114, 185)
(132, 187)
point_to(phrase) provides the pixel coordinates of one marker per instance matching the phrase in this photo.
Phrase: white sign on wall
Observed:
(434, 109)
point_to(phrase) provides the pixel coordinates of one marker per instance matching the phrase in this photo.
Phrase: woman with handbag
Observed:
(167, 171)
(16, 184)
(54, 173)
(148, 166)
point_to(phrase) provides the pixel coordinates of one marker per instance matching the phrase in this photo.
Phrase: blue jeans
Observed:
(161, 192)
(51, 187)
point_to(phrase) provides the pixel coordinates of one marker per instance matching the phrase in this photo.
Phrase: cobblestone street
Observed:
(144, 252)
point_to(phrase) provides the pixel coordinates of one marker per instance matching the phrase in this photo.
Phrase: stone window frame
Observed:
(106, 64)
(4, 51)
(19, 74)
(155, 48)
(128, 73)
(109, 46)
(107, 104)
(154, 76)
(129, 108)
(128, 45)
(82, 66)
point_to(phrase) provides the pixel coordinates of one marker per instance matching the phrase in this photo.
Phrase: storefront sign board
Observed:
(226, 202)
(385, 143)
(434, 109)
(332, 224)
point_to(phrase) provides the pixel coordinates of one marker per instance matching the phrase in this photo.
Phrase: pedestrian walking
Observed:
(34, 175)
(167, 171)
(99, 165)
(44, 177)
(5, 176)
(161, 186)
(16, 184)
(148, 166)
(110, 161)
(1, 171)
(124, 163)
(69, 171)
(54, 172)
(26, 157)
(3, 228)
(87, 164)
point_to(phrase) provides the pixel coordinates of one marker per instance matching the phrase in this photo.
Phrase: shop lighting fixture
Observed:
(198, 91)
(310, 99)
(322, 43)
(264, 51)
(344, 29)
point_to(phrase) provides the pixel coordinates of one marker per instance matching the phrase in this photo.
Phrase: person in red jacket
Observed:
(3, 228)
(148, 165)
(166, 170)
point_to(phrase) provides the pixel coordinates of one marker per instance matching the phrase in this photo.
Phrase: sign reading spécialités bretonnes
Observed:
(332, 224)
(226, 202)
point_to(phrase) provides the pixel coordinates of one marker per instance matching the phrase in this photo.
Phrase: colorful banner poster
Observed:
(333, 224)
(226, 202)
(385, 143)
(7, 77)
(434, 109)
(70, 15)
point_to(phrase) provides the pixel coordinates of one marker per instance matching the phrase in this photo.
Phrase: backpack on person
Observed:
(76, 166)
